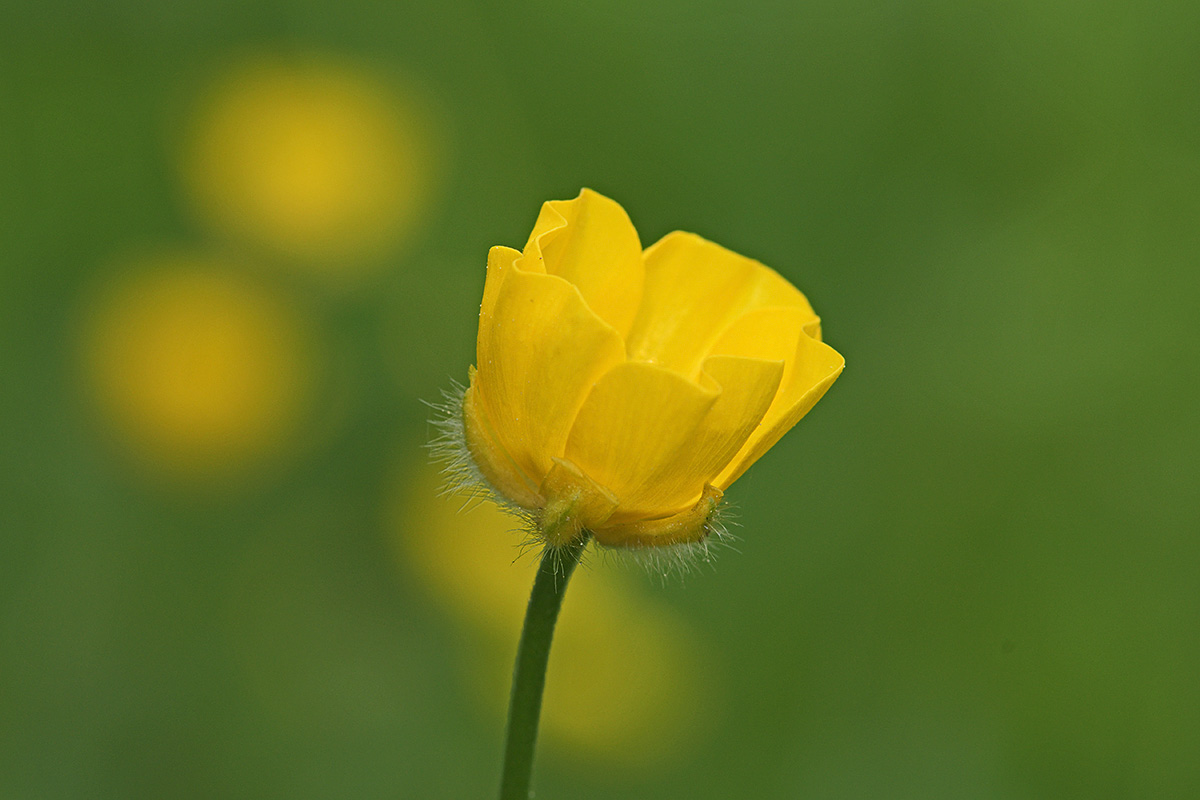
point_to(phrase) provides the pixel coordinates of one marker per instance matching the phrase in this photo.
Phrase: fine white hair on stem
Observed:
(448, 447)
(460, 475)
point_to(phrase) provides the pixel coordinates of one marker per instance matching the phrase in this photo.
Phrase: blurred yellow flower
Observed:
(621, 391)
(596, 707)
(315, 159)
(198, 368)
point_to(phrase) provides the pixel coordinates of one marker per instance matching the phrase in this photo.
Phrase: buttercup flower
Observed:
(621, 391)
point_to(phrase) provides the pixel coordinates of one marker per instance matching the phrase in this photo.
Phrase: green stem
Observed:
(529, 674)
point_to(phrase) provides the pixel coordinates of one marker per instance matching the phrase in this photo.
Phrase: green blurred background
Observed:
(241, 242)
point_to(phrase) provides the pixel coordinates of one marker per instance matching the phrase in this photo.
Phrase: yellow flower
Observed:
(621, 391)
(201, 371)
(316, 159)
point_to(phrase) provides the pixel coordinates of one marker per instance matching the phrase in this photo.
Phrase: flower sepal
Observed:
(684, 528)
(687, 527)
(574, 504)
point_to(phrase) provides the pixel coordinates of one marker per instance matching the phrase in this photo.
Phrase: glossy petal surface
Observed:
(491, 459)
(810, 369)
(631, 433)
(540, 351)
(748, 388)
(654, 439)
(694, 290)
(590, 242)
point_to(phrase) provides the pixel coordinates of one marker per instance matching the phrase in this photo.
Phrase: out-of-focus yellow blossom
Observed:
(621, 391)
(315, 159)
(199, 368)
(597, 706)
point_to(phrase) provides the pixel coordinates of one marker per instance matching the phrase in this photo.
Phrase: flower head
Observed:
(621, 391)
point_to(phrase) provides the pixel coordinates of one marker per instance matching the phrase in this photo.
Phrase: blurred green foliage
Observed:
(971, 572)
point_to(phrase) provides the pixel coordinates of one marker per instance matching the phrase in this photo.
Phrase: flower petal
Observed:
(694, 290)
(748, 387)
(540, 351)
(811, 368)
(493, 461)
(654, 439)
(631, 430)
(590, 242)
